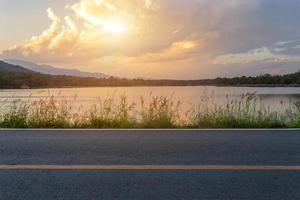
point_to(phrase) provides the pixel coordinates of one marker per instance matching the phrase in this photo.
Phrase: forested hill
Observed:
(14, 68)
(15, 77)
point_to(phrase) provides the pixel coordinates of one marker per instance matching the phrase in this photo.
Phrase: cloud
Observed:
(188, 48)
(197, 37)
(291, 47)
(254, 55)
(53, 41)
(147, 31)
(281, 51)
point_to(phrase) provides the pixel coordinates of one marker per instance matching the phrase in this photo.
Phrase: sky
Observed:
(178, 39)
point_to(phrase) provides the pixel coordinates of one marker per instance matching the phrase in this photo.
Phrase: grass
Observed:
(158, 112)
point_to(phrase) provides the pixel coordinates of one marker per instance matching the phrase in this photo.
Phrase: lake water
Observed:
(275, 98)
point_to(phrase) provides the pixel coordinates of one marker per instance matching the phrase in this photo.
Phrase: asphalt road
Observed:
(233, 150)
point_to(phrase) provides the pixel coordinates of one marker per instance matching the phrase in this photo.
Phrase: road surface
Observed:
(149, 164)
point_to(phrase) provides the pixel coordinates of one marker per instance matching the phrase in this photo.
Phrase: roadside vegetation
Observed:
(154, 112)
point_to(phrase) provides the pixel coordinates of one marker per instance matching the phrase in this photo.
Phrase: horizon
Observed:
(105, 76)
(155, 39)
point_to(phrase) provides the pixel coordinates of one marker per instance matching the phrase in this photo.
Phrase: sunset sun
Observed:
(114, 26)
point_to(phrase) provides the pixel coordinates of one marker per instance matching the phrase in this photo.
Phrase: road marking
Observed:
(151, 167)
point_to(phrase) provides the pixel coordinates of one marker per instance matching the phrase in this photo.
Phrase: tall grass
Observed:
(156, 112)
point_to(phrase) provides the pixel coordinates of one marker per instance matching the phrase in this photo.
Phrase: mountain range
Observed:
(51, 70)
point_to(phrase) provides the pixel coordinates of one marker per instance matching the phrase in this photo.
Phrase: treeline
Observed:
(264, 80)
(16, 80)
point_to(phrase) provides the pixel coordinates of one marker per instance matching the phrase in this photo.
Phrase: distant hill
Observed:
(13, 68)
(16, 77)
(47, 69)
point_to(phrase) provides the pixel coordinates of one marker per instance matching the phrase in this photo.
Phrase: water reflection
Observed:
(274, 98)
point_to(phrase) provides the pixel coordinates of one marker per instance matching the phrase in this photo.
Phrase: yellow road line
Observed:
(151, 167)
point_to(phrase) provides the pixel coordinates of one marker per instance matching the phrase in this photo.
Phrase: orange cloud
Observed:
(83, 34)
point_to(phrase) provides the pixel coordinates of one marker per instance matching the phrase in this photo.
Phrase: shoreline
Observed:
(156, 86)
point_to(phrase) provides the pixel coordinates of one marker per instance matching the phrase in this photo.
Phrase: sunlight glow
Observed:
(188, 45)
(114, 26)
